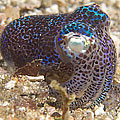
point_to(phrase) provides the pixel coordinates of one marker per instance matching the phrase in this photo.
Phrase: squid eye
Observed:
(73, 39)
(78, 43)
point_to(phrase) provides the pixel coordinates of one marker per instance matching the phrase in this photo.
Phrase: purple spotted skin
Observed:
(41, 38)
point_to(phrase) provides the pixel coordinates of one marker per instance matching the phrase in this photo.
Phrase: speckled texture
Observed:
(39, 38)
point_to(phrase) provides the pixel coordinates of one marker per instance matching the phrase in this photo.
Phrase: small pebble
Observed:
(17, 2)
(89, 115)
(54, 8)
(100, 110)
(34, 3)
(10, 84)
(21, 109)
(2, 76)
(25, 88)
(5, 104)
(2, 8)
(46, 3)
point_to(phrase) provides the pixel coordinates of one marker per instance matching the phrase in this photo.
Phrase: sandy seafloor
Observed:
(22, 98)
